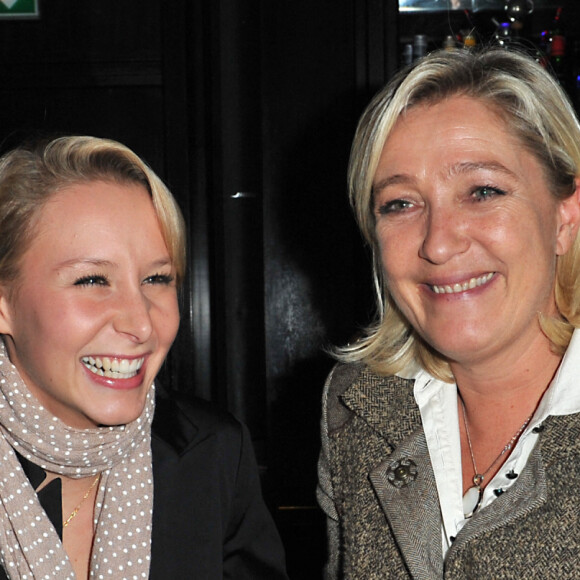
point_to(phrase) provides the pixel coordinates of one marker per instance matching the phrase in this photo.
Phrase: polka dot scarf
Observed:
(29, 545)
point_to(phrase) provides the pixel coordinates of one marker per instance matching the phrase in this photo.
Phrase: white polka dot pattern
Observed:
(30, 548)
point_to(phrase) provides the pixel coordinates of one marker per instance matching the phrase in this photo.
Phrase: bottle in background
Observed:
(407, 54)
(419, 46)
(449, 43)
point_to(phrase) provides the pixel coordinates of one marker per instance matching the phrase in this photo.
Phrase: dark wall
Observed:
(285, 89)
(65, 73)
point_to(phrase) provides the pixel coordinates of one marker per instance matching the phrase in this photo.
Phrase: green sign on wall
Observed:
(19, 9)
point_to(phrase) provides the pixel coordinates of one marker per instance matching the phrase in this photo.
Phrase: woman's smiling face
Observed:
(468, 229)
(94, 310)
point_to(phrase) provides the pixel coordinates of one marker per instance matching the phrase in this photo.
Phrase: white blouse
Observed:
(437, 403)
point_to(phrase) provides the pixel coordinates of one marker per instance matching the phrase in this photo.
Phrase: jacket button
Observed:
(402, 472)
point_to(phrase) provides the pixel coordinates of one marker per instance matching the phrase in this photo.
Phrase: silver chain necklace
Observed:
(473, 496)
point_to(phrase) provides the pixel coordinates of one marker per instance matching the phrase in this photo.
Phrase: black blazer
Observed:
(209, 519)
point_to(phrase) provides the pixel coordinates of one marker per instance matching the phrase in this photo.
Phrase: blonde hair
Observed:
(535, 110)
(30, 175)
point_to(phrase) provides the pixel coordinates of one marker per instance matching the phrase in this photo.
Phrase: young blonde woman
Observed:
(103, 474)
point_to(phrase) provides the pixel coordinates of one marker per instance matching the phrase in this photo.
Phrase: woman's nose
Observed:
(133, 316)
(445, 235)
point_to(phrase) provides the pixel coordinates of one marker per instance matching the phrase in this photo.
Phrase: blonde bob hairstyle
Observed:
(30, 175)
(535, 110)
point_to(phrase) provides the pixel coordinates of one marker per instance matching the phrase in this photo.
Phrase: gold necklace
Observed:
(76, 510)
(473, 496)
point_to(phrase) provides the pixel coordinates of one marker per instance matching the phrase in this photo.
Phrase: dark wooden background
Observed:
(246, 108)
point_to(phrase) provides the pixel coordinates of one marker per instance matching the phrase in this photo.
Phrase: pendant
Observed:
(472, 500)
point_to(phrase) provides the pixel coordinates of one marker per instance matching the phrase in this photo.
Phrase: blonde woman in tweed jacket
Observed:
(450, 430)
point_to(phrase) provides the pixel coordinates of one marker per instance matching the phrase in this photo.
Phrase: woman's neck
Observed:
(514, 379)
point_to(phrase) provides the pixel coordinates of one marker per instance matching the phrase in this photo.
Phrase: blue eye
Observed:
(96, 280)
(486, 192)
(393, 206)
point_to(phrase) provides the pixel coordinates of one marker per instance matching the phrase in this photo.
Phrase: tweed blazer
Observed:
(380, 530)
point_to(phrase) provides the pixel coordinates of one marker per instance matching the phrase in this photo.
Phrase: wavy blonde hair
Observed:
(535, 110)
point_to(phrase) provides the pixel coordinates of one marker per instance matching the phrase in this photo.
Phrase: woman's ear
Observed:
(5, 312)
(569, 220)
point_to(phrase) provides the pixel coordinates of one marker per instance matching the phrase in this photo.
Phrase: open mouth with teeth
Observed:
(464, 286)
(113, 368)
